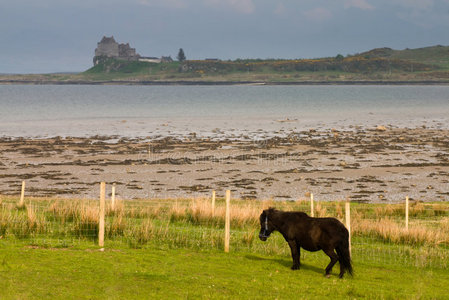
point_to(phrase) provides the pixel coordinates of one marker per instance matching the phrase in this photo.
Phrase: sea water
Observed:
(245, 112)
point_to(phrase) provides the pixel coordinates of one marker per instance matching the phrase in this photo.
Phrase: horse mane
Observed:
(270, 211)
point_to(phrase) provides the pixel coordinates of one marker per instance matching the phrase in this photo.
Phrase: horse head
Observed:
(266, 226)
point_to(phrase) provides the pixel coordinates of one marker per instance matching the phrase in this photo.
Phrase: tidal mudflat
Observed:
(362, 164)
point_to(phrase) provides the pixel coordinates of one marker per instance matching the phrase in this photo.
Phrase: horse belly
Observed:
(309, 245)
(311, 248)
(311, 241)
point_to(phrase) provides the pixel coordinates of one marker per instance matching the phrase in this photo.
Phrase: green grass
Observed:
(161, 272)
(382, 64)
(436, 55)
(159, 249)
(430, 63)
(329, 69)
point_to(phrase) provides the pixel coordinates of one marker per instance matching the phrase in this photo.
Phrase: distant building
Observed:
(108, 47)
(166, 59)
(150, 59)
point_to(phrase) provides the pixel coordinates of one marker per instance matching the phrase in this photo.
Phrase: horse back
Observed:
(332, 227)
(314, 233)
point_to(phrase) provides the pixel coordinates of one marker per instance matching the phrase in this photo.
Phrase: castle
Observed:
(110, 48)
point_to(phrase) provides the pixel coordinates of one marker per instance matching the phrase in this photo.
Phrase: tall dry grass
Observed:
(171, 220)
(394, 232)
(81, 217)
(21, 222)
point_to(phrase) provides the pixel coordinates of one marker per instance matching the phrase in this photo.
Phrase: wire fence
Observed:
(379, 232)
(383, 233)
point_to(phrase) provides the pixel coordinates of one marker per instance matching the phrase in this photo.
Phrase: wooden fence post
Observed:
(102, 208)
(406, 213)
(22, 195)
(213, 203)
(227, 221)
(348, 220)
(312, 210)
(113, 197)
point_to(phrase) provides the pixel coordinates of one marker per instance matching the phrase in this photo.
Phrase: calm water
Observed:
(216, 111)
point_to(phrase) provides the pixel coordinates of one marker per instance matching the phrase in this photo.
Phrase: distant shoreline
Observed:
(205, 82)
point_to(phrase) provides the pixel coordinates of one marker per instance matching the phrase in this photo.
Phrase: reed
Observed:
(189, 221)
(86, 222)
(444, 223)
(141, 234)
(117, 210)
(64, 210)
(389, 230)
(21, 223)
(115, 226)
(320, 210)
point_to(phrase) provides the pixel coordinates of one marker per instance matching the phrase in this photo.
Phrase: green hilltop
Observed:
(435, 55)
(381, 64)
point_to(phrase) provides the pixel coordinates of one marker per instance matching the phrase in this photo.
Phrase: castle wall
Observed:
(125, 50)
(110, 48)
(107, 47)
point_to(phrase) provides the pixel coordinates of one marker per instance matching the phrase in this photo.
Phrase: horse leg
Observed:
(298, 247)
(334, 258)
(295, 254)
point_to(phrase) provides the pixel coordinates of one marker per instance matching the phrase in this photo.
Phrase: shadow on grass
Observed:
(286, 263)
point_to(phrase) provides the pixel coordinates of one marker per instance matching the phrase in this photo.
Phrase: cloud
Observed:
(280, 9)
(424, 13)
(240, 6)
(164, 3)
(361, 4)
(318, 14)
(415, 5)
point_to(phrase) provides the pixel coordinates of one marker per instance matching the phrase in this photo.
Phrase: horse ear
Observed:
(270, 210)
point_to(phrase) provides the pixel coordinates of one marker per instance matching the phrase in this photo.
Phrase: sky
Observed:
(45, 36)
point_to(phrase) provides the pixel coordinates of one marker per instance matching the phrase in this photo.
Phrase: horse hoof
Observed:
(328, 275)
(295, 267)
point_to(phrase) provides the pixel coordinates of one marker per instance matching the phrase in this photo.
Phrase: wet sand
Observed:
(364, 164)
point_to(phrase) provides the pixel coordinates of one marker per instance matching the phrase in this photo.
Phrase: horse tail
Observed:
(344, 256)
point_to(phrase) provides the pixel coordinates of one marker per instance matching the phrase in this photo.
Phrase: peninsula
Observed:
(115, 63)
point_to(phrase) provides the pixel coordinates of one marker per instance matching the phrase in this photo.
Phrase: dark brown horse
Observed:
(311, 234)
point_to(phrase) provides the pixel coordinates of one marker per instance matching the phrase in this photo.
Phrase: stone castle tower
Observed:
(110, 48)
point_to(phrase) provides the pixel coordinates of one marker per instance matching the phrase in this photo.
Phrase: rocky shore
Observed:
(367, 165)
(38, 81)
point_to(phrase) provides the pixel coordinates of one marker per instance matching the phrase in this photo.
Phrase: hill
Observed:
(435, 55)
(382, 65)
(385, 64)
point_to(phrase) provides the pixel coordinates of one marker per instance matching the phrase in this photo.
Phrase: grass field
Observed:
(159, 249)
(161, 272)
(384, 64)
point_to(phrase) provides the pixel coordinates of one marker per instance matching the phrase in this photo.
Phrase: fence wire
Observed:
(379, 233)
